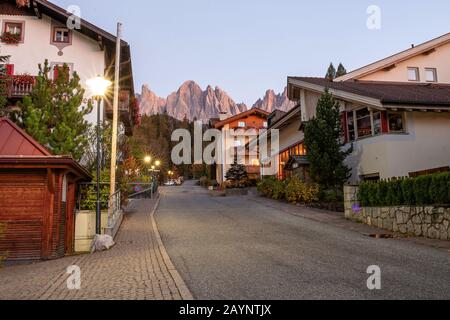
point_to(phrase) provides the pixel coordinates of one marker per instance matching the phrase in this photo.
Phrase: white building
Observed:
(42, 31)
(395, 112)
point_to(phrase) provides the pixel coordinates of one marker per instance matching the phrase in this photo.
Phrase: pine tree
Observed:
(53, 115)
(331, 72)
(341, 71)
(325, 154)
(3, 87)
(237, 176)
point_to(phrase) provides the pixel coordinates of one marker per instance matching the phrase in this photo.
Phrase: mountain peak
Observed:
(191, 102)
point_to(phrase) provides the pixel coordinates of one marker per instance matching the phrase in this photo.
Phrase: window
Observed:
(413, 74)
(377, 126)
(16, 28)
(242, 124)
(351, 126)
(431, 74)
(61, 35)
(265, 124)
(255, 163)
(395, 122)
(364, 123)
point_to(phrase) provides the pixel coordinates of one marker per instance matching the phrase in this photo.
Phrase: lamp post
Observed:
(98, 86)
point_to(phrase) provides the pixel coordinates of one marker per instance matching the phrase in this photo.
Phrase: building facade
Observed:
(395, 113)
(237, 132)
(39, 31)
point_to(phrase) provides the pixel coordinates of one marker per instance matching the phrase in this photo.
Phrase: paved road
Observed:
(241, 248)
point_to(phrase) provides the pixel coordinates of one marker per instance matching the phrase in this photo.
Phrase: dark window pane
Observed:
(396, 122)
(377, 123)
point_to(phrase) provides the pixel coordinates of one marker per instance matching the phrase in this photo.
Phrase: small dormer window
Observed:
(242, 124)
(413, 74)
(431, 74)
(61, 35)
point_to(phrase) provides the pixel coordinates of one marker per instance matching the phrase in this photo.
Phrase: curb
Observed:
(181, 285)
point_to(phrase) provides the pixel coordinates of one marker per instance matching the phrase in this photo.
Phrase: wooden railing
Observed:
(19, 90)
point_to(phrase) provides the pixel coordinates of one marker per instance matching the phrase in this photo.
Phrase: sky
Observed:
(248, 46)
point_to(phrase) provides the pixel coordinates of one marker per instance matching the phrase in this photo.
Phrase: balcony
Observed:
(20, 86)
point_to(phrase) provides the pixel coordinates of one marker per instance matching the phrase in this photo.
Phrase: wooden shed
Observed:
(37, 197)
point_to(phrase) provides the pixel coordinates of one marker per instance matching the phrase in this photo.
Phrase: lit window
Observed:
(61, 35)
(255, 163)
(242, 124)
(265, 124)
(431, 74)
(396, 123)
(364, 123)
(413, 74)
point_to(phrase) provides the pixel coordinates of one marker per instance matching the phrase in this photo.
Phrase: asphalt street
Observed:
(237, 248)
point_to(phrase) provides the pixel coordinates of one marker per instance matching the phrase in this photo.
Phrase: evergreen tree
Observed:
(325, 154)
(341, 71)
(3, 87)
(331, 72)
(237, 176)
(53, 115)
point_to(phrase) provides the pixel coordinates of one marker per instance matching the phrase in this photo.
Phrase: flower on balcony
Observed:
(23, 79)
(10, 38)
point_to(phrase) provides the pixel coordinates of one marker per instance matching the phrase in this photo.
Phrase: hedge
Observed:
(431, 189)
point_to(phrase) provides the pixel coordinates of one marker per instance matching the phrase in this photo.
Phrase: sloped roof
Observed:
(398, 93)
(242, 115)
(16, 142)
(423, 48)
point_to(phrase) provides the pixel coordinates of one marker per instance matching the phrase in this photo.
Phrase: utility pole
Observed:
(115, 111)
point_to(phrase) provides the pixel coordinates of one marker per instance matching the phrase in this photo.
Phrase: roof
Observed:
(296, 160)
(17, 148)
(386, 93)
(388, 62)
(16, 142)
(286, 117)
(241, 115)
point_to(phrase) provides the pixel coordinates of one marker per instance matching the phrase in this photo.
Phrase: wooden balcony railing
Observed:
(19, 89)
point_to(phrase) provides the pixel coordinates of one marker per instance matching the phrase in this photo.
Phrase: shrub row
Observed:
(431, 189)
(293, 190)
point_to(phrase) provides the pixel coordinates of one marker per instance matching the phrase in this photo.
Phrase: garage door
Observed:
(22, 199)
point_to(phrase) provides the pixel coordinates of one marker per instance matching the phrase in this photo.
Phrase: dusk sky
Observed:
(248, 46)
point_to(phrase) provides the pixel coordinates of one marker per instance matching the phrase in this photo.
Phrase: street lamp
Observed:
(157, 163)
(148, 159)
(98, 86)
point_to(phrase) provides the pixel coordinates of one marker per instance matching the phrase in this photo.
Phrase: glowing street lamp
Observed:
(157, 163)
(98, 87)
(148, 159)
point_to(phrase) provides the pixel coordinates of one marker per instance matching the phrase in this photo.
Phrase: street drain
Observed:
(381, 236)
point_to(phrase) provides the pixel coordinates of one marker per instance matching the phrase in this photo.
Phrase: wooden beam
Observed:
(390, 67)
(100, 42)
(36, 10)
(429, 52)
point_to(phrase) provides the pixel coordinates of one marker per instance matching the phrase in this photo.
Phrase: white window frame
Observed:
(242, 124)
(434, 72)
(417, 72)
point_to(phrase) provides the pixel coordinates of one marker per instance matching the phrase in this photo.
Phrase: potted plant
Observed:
(10, 38)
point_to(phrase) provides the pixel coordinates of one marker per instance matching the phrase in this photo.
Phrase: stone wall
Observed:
(430, 222)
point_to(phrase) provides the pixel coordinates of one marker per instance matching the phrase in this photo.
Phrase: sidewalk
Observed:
(137, 268)
(338, 220)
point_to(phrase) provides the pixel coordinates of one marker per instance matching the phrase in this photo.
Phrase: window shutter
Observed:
(384, 122)
(9, 69)
(55, 73)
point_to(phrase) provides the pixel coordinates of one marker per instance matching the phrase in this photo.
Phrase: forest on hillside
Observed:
(153, 138)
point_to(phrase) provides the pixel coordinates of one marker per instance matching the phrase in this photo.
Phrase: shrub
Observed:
(431, 189)
(298, 191)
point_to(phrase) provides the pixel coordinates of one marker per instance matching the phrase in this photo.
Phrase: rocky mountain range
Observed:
(191, 102)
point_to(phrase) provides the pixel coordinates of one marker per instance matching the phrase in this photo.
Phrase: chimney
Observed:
(223, 116)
